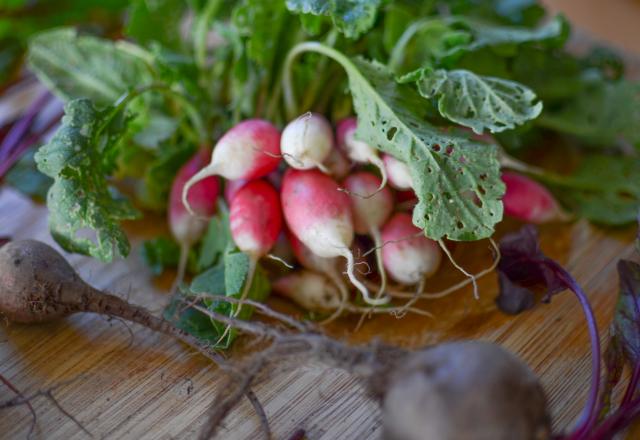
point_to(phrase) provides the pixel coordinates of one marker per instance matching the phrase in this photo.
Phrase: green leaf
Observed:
(215, 281)
(261, 23)
(479, 102)
(81, 199)
(486, 34)
(216, 239)
(456, 180)
(602, 114)
(159, 172)
(351, 17)
(156, 21)
(236, 268)
(76, 66)
(160, 253)
(604, 189)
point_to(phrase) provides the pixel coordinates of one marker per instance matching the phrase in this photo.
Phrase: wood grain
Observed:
(123, 381)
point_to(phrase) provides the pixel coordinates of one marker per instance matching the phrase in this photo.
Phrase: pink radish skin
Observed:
(307, 141)
(527, 200)
(369, 214)
(325, 266)
(357, 150)
(231, 188)
(309, 290)
(310, 260)
(407, 200)
(186, 228)
(249, 150)
(320, 217)
(408, 255)
(337, 164)
(255, 218)
(398, 172)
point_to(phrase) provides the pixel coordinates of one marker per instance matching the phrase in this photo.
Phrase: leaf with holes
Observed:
(457, 180)
(81, 199)
(351, 17)
(479, 102)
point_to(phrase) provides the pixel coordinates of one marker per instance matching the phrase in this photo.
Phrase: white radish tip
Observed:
(358, 285)
(200, 175)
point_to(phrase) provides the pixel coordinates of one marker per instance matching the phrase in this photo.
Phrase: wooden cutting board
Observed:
(123, 381)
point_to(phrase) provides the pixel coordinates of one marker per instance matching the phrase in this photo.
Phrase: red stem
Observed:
(631, 388)
(589, 414)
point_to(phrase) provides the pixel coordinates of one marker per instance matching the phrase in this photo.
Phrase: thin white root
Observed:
(253, 262)
(408, 237)
(280, 260)
(344, 297)
(376, 161)
(200, 175)
(323, 168)
(377, 240)
(434, 295)
(472, 277)
(358, 285)
(412, 301)
(182, 267)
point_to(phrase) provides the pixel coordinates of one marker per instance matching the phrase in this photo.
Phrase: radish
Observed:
(370, 214)
(186, 228)
(249, 150)
(320, 217)
(407, 200)
(255, 220)
(527, 200)
(231, 187)
(399, 173)
(359, 151)
(407, 254)
(337, 164)
(307, 141)
(309, 290)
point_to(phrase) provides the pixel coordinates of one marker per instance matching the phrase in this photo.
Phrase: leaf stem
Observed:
(188, 107)
(395, 58)
(590, 411)
(201, 31)
(287, 83)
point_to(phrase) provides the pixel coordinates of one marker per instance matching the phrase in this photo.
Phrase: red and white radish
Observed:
(398, 172)
(320, 216)
(370, 214)
(408, 256)
(322, 265)
(310, 290)
(527, 200)
(249, 150)
(358, 151)
(307, 141)
(186, 228)
(231, 187)
(255, 220)
(337, 165)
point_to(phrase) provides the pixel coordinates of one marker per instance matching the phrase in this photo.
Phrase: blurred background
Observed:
(617, 21)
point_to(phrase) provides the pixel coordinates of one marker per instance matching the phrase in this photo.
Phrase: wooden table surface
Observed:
(126, 382)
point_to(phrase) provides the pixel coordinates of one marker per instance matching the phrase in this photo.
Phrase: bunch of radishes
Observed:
(329, 187)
